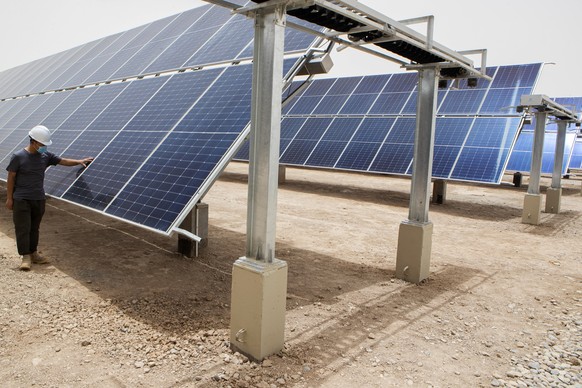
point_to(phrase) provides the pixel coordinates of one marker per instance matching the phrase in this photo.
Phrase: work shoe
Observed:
(38, 259)
(26, 263)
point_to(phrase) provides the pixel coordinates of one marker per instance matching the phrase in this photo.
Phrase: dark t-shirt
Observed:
(29, 169)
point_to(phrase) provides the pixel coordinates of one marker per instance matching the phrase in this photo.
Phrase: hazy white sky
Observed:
(513, 31)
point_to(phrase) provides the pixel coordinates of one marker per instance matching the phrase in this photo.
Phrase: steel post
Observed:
(423, 144)
(265, 133)
(559, 156)
(536, 155)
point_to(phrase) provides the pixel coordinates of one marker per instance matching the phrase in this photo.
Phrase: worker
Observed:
(25, 191)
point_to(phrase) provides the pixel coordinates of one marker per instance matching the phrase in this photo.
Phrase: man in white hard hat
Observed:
(25, 191)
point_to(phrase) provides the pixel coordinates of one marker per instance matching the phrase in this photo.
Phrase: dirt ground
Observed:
(118, 307)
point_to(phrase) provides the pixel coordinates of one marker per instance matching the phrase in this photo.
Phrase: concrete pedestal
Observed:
(553, 200)
(439, 192)
(532, 209)
(414, 249)
(258, 302)
(282, 174)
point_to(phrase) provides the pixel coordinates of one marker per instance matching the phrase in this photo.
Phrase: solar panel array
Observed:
(367, 124)
(204, 35)
(158, 140)
(520, 159)
(522, 153)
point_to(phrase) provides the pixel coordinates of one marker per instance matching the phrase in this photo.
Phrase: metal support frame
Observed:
(423, 144)
(537, 153)
(415, 234)
(259, 280)
(542, 107)
(559, 156)
(370, 19)
(193, 231)
(265, 133)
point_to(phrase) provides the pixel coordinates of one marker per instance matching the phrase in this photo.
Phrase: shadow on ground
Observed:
(453, 207)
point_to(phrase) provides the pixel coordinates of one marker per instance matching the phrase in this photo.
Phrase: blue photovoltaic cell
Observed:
(319, 87)
(403, 82)
(516, 76)
(126, 104)
(484, 155)
(49, 105)
(172, 101)
(480, 164)
(86, 144)
(225, 106)
(444, 158)
(13, 107)
(116, 58)
(364, 144)
(28, 105)
(161, 189)
(393, 159)
(74, 99)
(227, 43)
(333, 142)
(502, 102)
(572, 103)
(178, 53)
(390, 103)
(358, 104)
(113, 168)
(493, 132)
(90, 65)
(372, 84)
(452, 131)
(462, 102)
(576, 159)
(93, 106)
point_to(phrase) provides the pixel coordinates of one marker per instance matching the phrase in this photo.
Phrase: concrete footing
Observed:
(258, 302)
(439, 191)
(553, 200)
(532, 209)
(282, 174)
(414, 249)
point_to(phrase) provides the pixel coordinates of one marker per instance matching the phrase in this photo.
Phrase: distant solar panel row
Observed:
(520, 159)
(576, 159)
(204, 35)
(368, 124)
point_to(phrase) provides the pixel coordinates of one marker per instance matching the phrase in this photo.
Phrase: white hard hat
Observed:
(41, 134)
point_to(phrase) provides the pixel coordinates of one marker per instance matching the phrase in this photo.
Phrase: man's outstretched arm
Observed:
(75, 162)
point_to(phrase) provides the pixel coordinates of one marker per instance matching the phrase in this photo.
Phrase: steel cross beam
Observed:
(382, 29)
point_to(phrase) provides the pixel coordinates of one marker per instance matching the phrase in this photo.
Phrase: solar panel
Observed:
(368, 124)
(521, 155)
(204, 35)
(576, 158)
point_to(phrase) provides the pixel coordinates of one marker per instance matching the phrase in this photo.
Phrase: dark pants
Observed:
(27, 215)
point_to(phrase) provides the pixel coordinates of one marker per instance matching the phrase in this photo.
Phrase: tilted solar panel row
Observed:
(155, 141)
(159, 141)
(521, 157)
(201, 36)
(367, 124)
